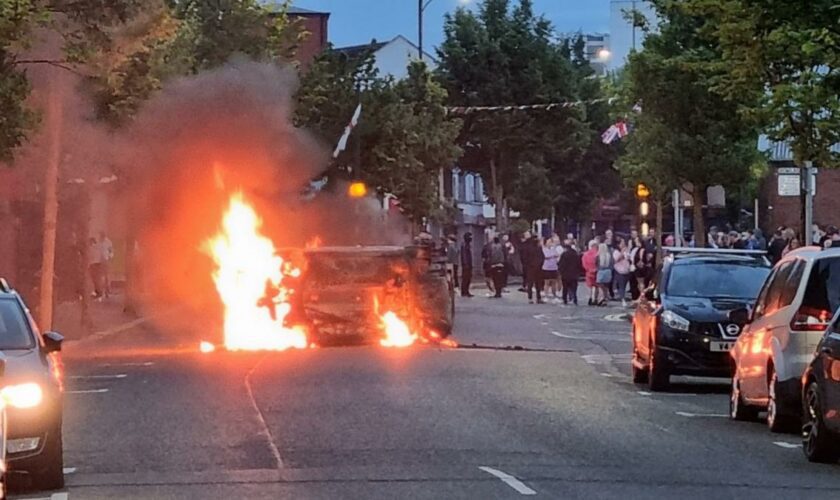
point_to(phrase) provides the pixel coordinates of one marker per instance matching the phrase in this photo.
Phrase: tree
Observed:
(403, 138)
(504, 56)
(780, 65)
(687, 136)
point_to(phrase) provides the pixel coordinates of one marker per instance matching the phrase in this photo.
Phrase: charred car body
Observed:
(343, 291)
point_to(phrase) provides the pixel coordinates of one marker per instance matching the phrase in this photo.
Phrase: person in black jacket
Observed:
(570, 270)
(532, 262)
(466, 265)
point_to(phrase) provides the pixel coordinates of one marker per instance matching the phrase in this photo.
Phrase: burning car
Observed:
(352, 293)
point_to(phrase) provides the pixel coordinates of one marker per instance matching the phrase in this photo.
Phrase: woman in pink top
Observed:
(590, 265)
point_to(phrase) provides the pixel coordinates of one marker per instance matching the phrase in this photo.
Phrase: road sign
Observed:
(789, 185)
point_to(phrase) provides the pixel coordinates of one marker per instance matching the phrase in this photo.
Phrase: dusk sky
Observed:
(354, 22)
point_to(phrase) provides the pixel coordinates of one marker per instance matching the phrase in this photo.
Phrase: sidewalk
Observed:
(105, 316)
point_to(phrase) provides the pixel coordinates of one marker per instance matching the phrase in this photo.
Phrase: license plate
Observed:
(721, 346)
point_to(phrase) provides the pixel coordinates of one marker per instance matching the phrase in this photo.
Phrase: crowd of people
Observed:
(614, 268)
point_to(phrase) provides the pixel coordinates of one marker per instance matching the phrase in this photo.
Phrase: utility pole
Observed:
(54, 125)
(808, 181)
(420, 8)
(678, 231)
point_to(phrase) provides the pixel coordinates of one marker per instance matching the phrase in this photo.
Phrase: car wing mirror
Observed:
(740, 316)
(53, 341)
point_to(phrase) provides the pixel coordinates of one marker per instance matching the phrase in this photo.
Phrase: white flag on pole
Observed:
(342, 143)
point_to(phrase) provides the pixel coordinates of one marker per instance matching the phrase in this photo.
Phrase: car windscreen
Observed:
(823, 290)
(14, 329)
(716, 279)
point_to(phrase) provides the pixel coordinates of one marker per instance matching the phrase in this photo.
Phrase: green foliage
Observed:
(687, 136)
(505, 55)
(780, 61)
(403, 137)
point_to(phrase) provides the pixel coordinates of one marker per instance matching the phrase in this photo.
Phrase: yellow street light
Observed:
(357, 190)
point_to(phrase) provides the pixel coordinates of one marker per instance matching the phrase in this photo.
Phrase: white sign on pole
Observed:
(789, 185)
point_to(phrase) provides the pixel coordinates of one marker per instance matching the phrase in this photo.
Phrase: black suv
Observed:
(32, 390)
(682, 325)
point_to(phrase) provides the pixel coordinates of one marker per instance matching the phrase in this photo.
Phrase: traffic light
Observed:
(642, 192)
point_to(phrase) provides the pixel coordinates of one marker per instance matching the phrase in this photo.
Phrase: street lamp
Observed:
(604, 54)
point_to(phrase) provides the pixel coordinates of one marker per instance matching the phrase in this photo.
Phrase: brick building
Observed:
(779, 199)
(316, 24)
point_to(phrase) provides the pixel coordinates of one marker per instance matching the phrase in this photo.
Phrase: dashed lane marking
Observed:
(509, 480)
(608, 337)
(88, 391)
(145, 363)
(54, 496)
(666, 394)
(69, 470)
(787, 445)
(98, 377)
(701, 415)
(596, 359)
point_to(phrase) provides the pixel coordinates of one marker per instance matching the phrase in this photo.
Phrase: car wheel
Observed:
(738, 410)
(640, 375)
(776, 421)
(50, 472)
(658, 377)
(818, 444)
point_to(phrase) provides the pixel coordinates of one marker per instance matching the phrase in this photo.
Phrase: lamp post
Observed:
(421, 8)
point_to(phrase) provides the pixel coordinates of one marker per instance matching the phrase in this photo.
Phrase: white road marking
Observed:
(88, 391)
(607, 375)
(784, 444)
(273, 447)
(98, 377)
(509, 480)
(594, 359)
(592, 338)
(69, 470)
(55, 496)
(540, 316)
(701, 415)
(146, 363)
(666, 394)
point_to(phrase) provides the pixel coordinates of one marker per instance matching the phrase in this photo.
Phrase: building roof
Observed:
(374, 46)
(277, 5)
(780, 151)
(354, 51)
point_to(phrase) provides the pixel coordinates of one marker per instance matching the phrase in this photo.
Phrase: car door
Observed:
(829, 354)
(752, 355)
(645, 319)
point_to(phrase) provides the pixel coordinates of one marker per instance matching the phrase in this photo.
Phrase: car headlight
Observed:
(22, 396)
(675, 322)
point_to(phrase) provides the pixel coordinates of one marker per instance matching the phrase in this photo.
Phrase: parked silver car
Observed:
(783, 329)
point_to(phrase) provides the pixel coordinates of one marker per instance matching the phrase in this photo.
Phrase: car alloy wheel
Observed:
(817, 444)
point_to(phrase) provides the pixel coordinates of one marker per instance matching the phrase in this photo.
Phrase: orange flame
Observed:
(249, 276)
(397, 333)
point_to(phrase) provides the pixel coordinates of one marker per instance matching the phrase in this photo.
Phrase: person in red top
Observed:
(590, 266)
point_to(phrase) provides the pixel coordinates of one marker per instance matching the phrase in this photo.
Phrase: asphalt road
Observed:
(147, 417)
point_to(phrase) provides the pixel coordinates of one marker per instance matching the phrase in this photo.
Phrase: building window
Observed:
(478, 191)
(462, 187)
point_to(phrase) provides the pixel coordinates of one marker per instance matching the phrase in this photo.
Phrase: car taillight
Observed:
(810, 320)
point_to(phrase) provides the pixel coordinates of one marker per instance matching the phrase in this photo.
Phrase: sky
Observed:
(355, 22)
